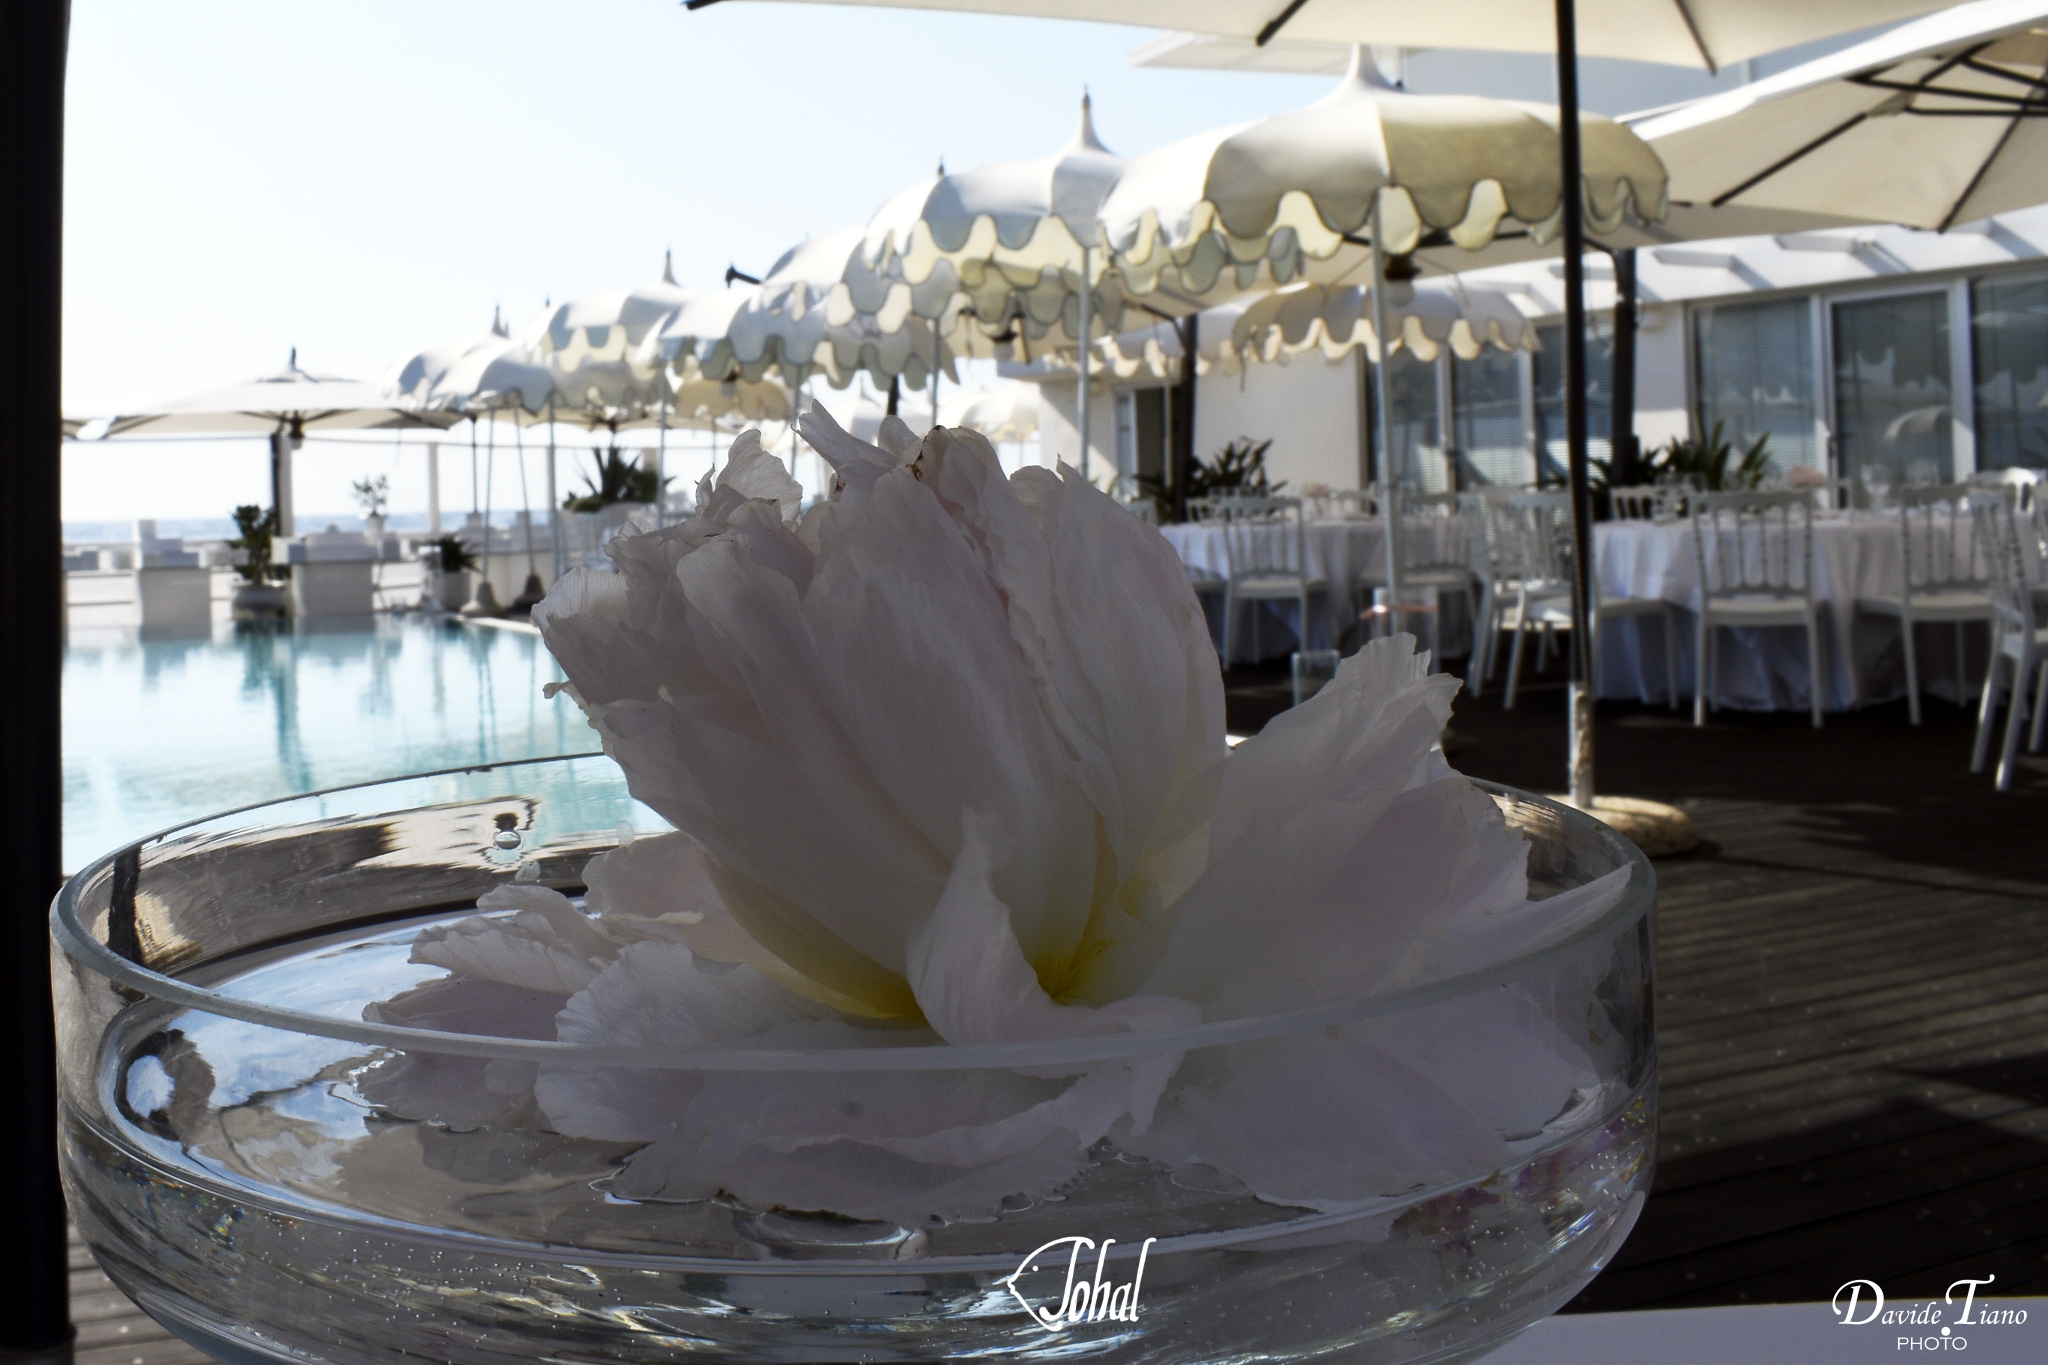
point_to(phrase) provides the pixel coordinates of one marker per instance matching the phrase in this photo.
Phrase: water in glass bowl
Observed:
(242, 1182)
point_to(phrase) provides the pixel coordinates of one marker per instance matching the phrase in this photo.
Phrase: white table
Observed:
(1339, 552)
(1854, 555)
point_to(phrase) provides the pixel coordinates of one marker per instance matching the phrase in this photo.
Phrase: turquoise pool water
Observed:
(157, 732)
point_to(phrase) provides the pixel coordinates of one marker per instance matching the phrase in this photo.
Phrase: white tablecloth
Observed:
(1854, 556)
(1338, 552)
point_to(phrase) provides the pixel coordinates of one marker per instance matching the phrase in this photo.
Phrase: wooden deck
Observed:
(1852, 997)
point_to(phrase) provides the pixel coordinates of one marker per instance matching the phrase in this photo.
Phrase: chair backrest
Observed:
(1938, 539)
(1752, 544)
(1204, 510)
(1432, 531)
(2024, 483)
(1643, 502)
(1995, 514)
(1264, 538)
(1541, 526)
(1353, 502)
(1492, 548)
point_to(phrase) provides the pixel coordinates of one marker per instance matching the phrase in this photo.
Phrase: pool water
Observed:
(162, 731)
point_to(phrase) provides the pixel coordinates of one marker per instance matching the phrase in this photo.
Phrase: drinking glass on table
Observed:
(1923, 474)
(1877, 483)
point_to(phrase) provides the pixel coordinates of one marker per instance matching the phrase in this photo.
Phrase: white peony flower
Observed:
(945, 761)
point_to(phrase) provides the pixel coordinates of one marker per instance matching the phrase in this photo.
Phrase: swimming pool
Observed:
(161, 731)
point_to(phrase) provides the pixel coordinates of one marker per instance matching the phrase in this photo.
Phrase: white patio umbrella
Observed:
(610, 325)
(1006, 412)
(1935, 123)
(1271, 196)
(803, 318)
(1708, 33)
(1705, 33)
(1423, 317)
(1328, 322)
(1018, 238)
(414, 378)
(284, 406)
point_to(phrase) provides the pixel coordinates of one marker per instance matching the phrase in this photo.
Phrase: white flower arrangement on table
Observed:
(945, 760)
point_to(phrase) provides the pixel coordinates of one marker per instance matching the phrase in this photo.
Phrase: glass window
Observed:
(1550, 437)
(1418, 439)
(1755, 376)
(1486, 410)
(1891, 384)
(2009, 331)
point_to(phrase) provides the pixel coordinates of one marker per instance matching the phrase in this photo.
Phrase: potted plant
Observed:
(449, 562)
(620, 488)
(260, 596)
(373, 495)
(1239, 468)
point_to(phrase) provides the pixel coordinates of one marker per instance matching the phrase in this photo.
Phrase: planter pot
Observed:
(242, 1120)
(451, 590)
(373, 528)
(594, 529)
(253, 602)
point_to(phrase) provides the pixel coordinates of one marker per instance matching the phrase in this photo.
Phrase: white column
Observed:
(433, 488)
(1087, 289)
(1389, 480)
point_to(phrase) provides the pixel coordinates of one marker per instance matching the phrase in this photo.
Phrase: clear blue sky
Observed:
(358, 180)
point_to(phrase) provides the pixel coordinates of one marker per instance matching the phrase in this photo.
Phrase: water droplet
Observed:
(506, 838)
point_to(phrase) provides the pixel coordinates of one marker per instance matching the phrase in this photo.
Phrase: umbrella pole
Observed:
(433, 488)
(34, 1304)
(554, 502)
(661, 464)
(1579, 741)
(490, 470)
(1081, 404)
(1383, 409)
(525, 500)
(1183, 415)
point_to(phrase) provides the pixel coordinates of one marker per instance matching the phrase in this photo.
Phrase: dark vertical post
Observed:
(1572, 187)
(1183, 423)
(1628, 451)
(34, 1307)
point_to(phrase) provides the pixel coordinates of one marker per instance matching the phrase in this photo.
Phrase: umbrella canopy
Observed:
(291, 401)
(1330, 321)
(1268, 195)
(1936, 123)
(804, 318)
(1707, 33)
(1009, 235)
(496, 378)
(1423, 316)
(412, 379)
(1007, 412)
(606, 326)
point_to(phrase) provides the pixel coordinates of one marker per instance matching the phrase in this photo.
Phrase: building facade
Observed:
(1841, 349)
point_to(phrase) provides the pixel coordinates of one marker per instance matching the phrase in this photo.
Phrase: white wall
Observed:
(1308, 408)
(1663, 404)
(1059, 432)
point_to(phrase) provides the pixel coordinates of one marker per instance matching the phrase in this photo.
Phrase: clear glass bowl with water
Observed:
(229, 1164)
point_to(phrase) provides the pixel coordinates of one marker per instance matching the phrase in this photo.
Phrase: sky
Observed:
(357, 181)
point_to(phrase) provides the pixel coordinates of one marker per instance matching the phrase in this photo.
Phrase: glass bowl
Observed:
(230, 1166)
